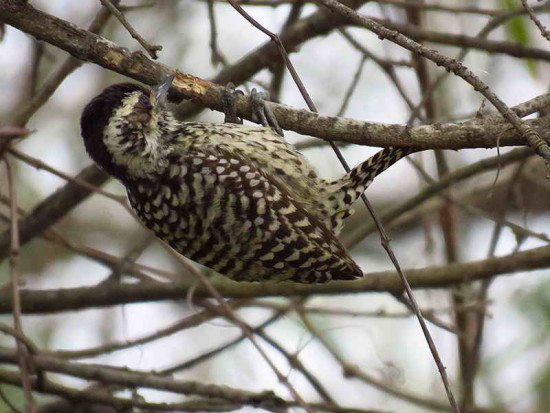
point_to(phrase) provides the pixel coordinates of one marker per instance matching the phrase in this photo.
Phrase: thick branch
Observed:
(93, 398)
(90, 47)
(47, 301)
(149, 380)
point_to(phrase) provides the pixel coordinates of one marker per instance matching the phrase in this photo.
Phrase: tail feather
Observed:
(343, 192)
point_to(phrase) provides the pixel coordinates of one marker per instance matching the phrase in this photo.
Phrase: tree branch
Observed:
(53, 208)
(93, 48)
(71, 299)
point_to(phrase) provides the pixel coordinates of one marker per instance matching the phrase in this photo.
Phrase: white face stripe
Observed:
(128, 104)
(149, 159)
(111, 133)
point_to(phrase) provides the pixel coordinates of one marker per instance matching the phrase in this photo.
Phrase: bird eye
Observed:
(143, 103)
(142, 110)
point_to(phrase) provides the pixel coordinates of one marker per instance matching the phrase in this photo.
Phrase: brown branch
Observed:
(543, 30)
(16, 283)
(89, 47)
(13, 132)
(530, 134)
(48, 301)
(461, 40)
(188, 322)
(146, 380)
(193, 405)
(351, 371)
(53, 208)
(452, 178)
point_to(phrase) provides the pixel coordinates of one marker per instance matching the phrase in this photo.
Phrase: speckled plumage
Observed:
(235, 198)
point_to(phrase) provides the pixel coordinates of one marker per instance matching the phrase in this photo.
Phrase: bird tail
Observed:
(343, 192)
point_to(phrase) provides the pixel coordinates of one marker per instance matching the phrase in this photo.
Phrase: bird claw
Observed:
(229, 98)
(261, 112)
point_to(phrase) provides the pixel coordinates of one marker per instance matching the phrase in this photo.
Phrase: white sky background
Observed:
(383, 348)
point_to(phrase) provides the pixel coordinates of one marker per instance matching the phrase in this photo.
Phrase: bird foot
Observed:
(229, 99)
(261, 112)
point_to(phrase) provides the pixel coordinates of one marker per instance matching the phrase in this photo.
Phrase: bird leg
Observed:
(229, 99)
(261, 112)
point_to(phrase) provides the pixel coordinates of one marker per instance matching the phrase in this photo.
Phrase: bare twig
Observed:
(38, 164)
(13, 132)
(531, 135)
(209, 354)
(188, 322)
(385, 240)
(480, 317)
(352, 86)
(143, 379)
(216, 55)
(54, 207)
(228, 312)
(543, 30)
(452, 178)
(351, 371)
(384, 237)
(212, 402)
(151, 48)
(16, 281)
(56, 300)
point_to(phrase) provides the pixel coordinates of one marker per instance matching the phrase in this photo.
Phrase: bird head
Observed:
(125, 126)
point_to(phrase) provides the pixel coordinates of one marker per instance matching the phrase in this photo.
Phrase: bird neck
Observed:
(141, 149)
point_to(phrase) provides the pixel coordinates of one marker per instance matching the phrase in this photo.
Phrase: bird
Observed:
(234, 198)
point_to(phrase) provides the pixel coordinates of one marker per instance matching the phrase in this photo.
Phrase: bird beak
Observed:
(161, 91)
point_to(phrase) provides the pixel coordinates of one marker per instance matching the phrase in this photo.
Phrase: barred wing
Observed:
(224, 213)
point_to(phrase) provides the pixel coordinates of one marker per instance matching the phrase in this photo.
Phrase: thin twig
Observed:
(38, 164)
(543, 30)
(385, 240)
(427, 193)
(216, 56)
(209, 354)
(211, 402)
(352, 86)
(152, 49)
(295, 363)
(245, 328)
(479, 320)
(110, 261)
(383, 235)
(352, 371)
(24, 365)
(530, 134)
(385, 65)
(191, 321)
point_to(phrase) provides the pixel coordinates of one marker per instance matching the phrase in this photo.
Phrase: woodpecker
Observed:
(237, 199)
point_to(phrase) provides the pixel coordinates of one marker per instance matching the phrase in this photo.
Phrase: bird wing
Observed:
(244, 224)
